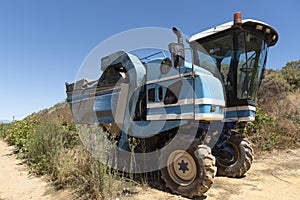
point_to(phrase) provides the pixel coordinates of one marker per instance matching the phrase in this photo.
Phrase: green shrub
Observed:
(53, 147)
(3, 130)
(261, 131)
(46, 141)
(18, 132)
(291, 73)
(267, 132)
(56, 150)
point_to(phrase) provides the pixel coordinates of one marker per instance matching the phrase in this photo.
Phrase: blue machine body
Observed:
(194, 92)
(146, 99)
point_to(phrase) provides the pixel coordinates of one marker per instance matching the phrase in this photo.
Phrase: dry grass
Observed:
(282, 106)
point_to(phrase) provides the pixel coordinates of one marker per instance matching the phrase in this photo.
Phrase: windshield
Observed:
(237, 58)
(251, 62)
(215, 56)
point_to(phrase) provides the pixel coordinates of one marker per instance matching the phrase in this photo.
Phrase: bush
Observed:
(261, 131)
(53, 148)
(268, 133)
(3, 130)
(277, 122)
(291, 73)
(78, 169)
(46, 141)
(273, 87)
(18, 132)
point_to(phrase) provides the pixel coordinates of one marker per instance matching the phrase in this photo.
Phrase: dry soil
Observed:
(273, 175)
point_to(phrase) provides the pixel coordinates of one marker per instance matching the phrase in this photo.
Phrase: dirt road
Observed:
(17, 184)
(273, 176)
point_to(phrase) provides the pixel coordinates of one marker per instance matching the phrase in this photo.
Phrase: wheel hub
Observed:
(182, 167)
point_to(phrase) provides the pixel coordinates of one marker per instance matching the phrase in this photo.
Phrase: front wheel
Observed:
(234, 159)
(189, 172)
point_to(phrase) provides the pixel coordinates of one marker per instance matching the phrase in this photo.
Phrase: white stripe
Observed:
(240, 108)
(169, 78)
(161, 104)
(242, 119)
(203, 116)
(209, 116)
(247, 119)
(210, 101)
(188, 101)
(171, 116)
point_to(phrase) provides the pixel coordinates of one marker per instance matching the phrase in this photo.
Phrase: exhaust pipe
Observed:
(178, 34)
(177, 49)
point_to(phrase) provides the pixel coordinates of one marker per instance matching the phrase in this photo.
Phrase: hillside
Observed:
(60, 111)
(277, 125)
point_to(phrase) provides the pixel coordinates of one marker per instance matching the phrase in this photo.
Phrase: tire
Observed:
(236, 160)
(189, 172)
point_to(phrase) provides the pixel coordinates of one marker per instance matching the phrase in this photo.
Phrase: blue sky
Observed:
(44, 42)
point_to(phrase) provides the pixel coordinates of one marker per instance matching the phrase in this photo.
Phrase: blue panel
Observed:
(186, 89)
(150, 128)
(231, 114)
(104, 103)
(199, 90)
(178, 109)
(245, 113)
(239, 114)
(204, 108)
(208, 87)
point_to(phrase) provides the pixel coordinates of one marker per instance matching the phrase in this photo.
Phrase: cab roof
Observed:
(269, 33)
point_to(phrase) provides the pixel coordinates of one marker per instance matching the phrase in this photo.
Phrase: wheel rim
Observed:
(182, 167)
(231, 157)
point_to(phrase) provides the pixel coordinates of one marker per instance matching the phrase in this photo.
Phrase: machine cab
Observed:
(236, 53)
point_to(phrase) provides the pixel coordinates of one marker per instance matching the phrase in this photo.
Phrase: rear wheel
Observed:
(235, 158)
(189, 172)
